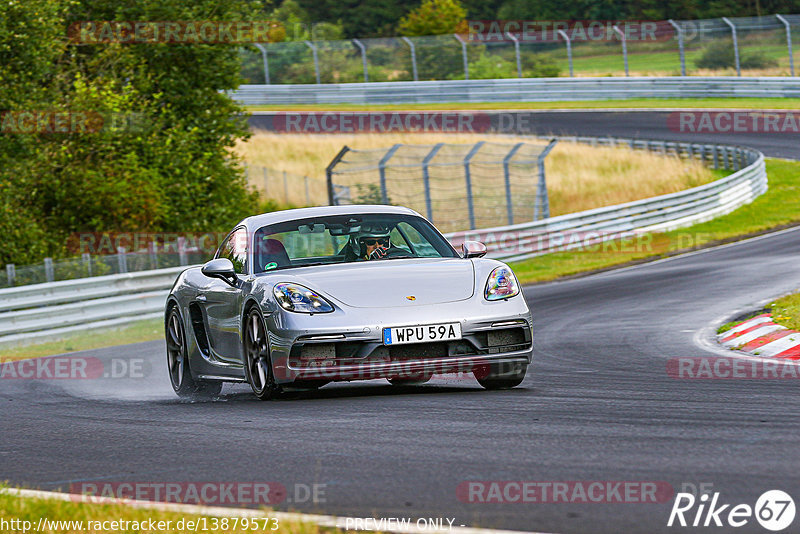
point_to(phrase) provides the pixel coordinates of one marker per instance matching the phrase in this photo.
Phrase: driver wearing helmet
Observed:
(371, 243)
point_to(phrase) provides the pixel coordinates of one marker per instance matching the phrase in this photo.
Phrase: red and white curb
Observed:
(761, 337)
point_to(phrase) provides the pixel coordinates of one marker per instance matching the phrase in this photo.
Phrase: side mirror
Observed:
(473, 249)
(221, 268)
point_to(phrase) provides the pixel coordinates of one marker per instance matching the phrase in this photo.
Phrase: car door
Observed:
(223, 301)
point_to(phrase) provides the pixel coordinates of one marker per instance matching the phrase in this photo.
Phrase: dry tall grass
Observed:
(579, 177)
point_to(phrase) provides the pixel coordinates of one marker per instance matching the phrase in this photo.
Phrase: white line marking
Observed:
(219, 511)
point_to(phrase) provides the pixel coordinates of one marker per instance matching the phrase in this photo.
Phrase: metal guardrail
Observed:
(520, 90)
(657, 214)
(49, 310)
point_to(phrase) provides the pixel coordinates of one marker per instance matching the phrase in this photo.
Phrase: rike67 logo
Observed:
(774, 510)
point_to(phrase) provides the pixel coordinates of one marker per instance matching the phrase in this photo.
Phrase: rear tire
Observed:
(501, 375)
(180, 375)
(258, 364)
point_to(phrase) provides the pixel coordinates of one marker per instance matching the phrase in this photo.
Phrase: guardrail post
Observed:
(703, 154)
(468, 182)
(182, 257)
(735, 45)
(737, 159)
(624, 47)
(564, 36)
(516, 53)
(426, 180)
(316, 58)
(413, 56)
(690, 151)
(382, 171)
(87, 261)
(153, 256)
(363, 57)
(464, 54)
(308, 198)
(11, 272)
(788, 41)
(681, 51)
(506, 175)
(48, 269)
(714, 156)
(542, 202)
(264, 172)
(332, 200)
(122, 260)
(264, 60)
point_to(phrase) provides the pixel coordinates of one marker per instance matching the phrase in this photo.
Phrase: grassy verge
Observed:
(635, 103)
(148, 330)
(786, 311)
(778, 207)
(95, 518)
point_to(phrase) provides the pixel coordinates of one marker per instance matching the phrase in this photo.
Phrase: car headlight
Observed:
(300, 299)
(502, 284)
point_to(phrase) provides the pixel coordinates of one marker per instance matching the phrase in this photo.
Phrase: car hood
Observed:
(391, 283)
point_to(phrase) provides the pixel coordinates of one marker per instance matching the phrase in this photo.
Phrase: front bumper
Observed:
(347, 351)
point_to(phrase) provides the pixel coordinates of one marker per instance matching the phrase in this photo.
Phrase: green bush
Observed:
(720, 55)
(173, 171)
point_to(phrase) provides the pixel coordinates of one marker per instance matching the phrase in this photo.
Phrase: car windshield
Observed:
(348, 238)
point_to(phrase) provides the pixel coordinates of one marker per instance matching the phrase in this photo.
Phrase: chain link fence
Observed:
(286, 188)
(742, 45)
(456, 186)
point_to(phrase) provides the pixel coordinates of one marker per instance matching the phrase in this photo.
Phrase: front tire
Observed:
(180, 375)
(501, 375)
(258, 364)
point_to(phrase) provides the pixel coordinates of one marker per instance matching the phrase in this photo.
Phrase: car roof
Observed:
(257, 221)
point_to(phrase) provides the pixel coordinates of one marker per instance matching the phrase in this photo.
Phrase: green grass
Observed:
(32, 509)
(148, 330)
(778, 207)
(636, 103)
(608, 61)
(786, 311)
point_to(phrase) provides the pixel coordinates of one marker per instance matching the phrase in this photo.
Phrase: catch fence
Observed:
(764, 45)
(456, 186)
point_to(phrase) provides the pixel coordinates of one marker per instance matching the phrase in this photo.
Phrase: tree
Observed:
(435, 17)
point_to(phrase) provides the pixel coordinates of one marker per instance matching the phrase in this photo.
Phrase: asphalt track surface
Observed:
(640, 124)
(597, 405)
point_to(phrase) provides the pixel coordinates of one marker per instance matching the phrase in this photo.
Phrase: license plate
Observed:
(400, 335)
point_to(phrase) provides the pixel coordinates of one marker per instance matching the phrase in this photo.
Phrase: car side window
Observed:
(235, 249)
(420, 245)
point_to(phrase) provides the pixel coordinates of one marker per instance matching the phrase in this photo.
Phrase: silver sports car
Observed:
(299, 298)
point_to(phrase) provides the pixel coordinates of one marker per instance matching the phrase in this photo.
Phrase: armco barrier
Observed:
(42, 311)
(520, 90)
(49, 310)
